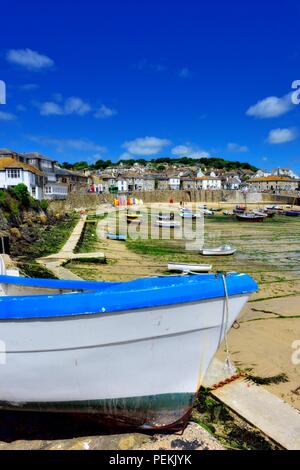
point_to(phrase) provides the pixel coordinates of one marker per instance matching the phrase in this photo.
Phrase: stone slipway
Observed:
(275, 418)
(54, 262)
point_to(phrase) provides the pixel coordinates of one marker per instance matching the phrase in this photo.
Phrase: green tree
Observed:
(22, 194)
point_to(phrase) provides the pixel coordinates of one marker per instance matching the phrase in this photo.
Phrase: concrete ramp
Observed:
(274, 417)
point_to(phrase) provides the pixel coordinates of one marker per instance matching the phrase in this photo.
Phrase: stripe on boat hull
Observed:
(148, 412)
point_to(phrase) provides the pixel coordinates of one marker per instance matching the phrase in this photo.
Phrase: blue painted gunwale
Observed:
(123, 296)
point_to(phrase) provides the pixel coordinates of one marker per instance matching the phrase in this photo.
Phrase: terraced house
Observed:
(14, 172)
(42, 176)
(274, 183)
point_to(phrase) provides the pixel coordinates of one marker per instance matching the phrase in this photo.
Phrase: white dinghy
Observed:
(112, 348)
(223, 250)
(190, 268)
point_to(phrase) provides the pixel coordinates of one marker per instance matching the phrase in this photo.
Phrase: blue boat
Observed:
(133, 353)
(114, 236)
(292, 213)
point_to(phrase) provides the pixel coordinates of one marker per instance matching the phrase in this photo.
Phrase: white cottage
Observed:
(14, 172)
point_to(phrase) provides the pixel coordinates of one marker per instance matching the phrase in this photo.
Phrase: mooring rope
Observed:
(228, 363)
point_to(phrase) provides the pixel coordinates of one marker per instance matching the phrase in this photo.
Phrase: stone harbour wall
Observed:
(77, 201)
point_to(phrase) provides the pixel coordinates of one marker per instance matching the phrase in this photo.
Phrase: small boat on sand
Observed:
(170, 216)
(190, 268)
(292, 213)
(167, 224)
(224, 250)
(259, 213)
(133, 219)
(239, 209)
(115, 236)
(189, 215)
(250, 217)
(111, 348)
(206, 212)
(228, 213)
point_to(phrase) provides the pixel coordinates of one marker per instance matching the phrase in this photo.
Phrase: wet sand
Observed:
(270, 322)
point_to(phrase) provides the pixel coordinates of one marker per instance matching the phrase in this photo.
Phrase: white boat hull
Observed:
(196, 268)
(143, 367)
(217, 253)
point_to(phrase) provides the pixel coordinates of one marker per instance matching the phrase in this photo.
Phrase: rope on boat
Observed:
(225, 322)
(228, 363)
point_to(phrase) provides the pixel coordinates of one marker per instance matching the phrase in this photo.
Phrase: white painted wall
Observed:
(25, 177)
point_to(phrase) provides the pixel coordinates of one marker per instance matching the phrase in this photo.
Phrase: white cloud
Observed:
(29, 59)
(237, 148)
(73, 105)
(49, 108)
(4, 116)
(83, 145)
(189, 151)
(280, 136)
(76, 105)
(105, 112)
(184, 73)
(145, 145)
(271, 107)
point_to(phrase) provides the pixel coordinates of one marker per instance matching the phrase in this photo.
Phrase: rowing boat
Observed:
(187, 215)
(115, 236)
(111, 348)
(167, 224)
(224, 250)
(249, 217)
(187, 268)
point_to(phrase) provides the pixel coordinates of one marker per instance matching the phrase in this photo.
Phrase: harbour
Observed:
(278, 312)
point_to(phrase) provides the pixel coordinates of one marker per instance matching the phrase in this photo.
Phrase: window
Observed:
(13, 173)
(48, 190)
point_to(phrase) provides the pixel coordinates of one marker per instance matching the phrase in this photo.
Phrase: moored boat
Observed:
(133, 219)
(224, 250)
(206, 212)
(111, 349)
(190, 268)
(167, 224)
(115, 236)
(189, 215)
(259, 213)
(239, 209)
(250, 217)
(292, 213)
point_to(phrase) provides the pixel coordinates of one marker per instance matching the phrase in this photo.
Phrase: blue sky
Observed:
(120, 79)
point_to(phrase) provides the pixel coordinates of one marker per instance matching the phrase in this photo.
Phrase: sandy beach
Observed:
(270, 322)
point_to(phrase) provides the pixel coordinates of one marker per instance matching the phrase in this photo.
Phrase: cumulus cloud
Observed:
(83, 145)
(105, 112)
(76, 105)
(271, 107)
(280, 136)
(73, 105)
(29, 59)
(144, 146)
(189, 151)
(4, 116)
(237, 148)
(49, 108)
